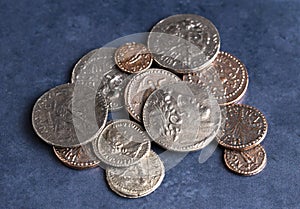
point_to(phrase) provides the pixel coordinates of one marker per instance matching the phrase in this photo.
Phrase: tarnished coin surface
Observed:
(182, 117)
(245, 127)
(80, 157)
(133, 57)
(226, 78)
(98, 71)
(246, 162)
(81, 64)
(64, 118)
(122, 143)
(142, 85)
(184, 42)
(137, 180)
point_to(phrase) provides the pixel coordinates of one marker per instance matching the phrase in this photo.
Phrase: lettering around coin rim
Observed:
(246, 162)
(81, 157)
(226, 77)
(147, 177)
(244, 128)
(122, 143)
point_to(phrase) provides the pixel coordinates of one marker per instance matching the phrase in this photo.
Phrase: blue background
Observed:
(40, 41)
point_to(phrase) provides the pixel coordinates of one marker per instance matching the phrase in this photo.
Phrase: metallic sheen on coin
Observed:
(98, 71)
(182, 117)
(226, 78)
(245, 127)
(142, 85)
(62, 118)
(247, 162)
(80, 157)
(133, 57)
(184, 42)
(122, 143)
(137, 180)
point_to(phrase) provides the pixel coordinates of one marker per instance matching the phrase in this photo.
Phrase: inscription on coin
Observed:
(80, 157)
(64, 119)
(245, 127)
(226, 78)
(142, 85)
(247, 162)
(133, 57)
(137, 180)
(122, 143)
(184, 42)
(99, 72)
(181, 117)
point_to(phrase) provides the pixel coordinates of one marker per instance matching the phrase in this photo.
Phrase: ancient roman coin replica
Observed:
(80, 157)
(226, 77)
(137, 180)
(248, 162)
(62, 120)
(98, 71)
(122, 143)
(133, 57)
(142, 85)
(181, 117)
(245, 127)
(184, 43)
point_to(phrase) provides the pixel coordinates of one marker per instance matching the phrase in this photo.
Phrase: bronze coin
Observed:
(244, 127)
(247, 162)
(226, 78)
(133, 57)
(80, 157)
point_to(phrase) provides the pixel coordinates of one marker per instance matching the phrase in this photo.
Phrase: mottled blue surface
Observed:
(40, 41)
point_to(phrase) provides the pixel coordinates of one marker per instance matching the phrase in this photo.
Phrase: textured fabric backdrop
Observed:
(40, 41)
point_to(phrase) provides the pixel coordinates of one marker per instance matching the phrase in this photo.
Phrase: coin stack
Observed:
(183, 105)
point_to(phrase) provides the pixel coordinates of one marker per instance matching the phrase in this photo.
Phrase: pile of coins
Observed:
(183, 105)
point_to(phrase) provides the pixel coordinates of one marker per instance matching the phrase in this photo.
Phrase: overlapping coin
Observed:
(137, 180)
(142, 85)
(184, 43)
(226, 78)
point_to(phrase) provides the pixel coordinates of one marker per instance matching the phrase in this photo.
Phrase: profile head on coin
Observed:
(137, 180)
(184, 43)
(122, 143)
(244, 128)
(133, 57)
(69, 115)
(181, 117)
(246, 162)
(226, 78)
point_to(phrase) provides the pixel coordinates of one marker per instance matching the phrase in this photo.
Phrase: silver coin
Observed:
(182, 117)
(81, 64)
(122, 143)
(137, 180)
(98, 71)
(142, 85)
(64, 118)
(184, 42)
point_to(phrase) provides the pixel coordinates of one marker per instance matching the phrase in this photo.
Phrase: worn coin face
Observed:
(226, 78)
(182, 117)
(244, 128)
(247, 162)
(184, 42)
(122, 143)
(80, 157)
(62, 118)
(133, 57)
(98, 71)
(142, 85)
(137, 180)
